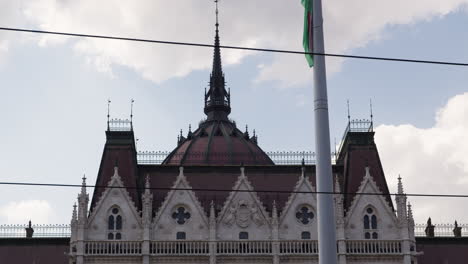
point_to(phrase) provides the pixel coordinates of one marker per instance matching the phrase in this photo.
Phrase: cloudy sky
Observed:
(54, 89)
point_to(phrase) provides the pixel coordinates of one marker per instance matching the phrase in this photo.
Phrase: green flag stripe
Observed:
(307, 38)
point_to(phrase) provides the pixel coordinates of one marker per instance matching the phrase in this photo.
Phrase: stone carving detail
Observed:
(230, 217)
(243, 214)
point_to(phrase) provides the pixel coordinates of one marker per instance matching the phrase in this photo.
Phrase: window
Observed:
(305, 235)
(304, 214)
(243, 235)
(181, 215)
(180, 235)
(114, 224)
(370, 224)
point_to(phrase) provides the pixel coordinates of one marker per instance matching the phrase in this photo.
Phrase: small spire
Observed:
(371, 114)
(367, 175)
(75, 213)
(274, 213)
(212, 210)
(337, 185)
(410, 212)
(83, 186)
(147, 182)
(400, 185)
(303, 168)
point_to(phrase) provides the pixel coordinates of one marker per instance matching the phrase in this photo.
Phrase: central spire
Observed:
(217, 99)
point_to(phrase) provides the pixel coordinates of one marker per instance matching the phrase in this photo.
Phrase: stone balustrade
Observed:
(244, 247)
(127, 248)
(298, 247)
(192, 248)
(373, 247)
(238, 247)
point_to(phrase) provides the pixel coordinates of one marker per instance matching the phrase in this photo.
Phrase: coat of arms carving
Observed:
(243, 214)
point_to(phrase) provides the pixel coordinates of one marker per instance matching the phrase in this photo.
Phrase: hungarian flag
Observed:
(307, 38)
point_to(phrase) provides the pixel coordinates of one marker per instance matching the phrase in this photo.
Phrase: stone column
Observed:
(275, 235)
(212, 238)
(147, 200)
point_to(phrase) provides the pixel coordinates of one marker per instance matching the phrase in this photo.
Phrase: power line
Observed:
(227, 190)
(232, 47)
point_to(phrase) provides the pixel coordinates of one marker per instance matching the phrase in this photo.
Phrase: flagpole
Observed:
(323, 171)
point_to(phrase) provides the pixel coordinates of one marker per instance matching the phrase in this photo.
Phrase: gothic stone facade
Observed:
(175, 216)
(211, 200)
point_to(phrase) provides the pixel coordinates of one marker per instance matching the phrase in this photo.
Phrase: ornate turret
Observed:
(217, 99)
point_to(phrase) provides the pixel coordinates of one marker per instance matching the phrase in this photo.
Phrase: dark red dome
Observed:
(218, 142)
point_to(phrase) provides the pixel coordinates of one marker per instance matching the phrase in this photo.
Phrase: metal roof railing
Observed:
(47, 230)
(278, 157)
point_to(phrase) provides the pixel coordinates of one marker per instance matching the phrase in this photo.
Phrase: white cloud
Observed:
(38, 211)
(260, 23)
(432, 160)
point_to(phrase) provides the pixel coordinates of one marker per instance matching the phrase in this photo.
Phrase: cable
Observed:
(226, 190)
(232, 47)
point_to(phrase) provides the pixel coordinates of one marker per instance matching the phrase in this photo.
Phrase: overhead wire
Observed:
(448, 63)
(236, 48)
(231, 190)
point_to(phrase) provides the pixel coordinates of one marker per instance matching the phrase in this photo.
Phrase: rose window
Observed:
(305, 215)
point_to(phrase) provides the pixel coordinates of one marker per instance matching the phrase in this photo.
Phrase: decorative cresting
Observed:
(217, 99)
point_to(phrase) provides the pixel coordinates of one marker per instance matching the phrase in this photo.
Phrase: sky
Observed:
(54, 89)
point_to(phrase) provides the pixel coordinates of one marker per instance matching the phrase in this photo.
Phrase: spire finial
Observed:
(349, 115)
(131, 112)
(217, 24)
(108, 114)
(371, 114)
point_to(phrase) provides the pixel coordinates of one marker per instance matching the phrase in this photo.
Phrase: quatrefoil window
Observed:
(181, 215)
(304, 214)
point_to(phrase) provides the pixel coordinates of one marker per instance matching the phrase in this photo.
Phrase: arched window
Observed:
(370, 224)
(114, 224)
(243, 235)
(305, 235)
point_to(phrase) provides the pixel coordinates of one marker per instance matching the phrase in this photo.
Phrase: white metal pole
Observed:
(324, 179)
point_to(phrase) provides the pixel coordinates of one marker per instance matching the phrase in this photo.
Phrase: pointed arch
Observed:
(370, 222)
(114, 223)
